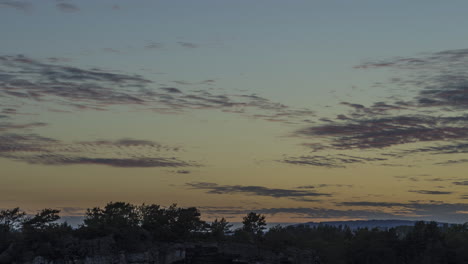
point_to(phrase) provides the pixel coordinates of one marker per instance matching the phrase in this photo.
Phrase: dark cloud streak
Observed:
(213, 188)
(430, 192)
(329, 161)
(123, 153)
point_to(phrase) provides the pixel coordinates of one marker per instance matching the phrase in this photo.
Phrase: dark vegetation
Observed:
(135, 227)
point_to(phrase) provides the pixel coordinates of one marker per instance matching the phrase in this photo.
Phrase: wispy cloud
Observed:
(142, 162)
(430, 192)
(307, 212)
(412, 210)
(453, 148)
(461, 183)
(433, 115)
(35, 149)
(373, 204)
(18, 5)
(452, 162)
(433, 210)
(183, 172)
(6, 126)
(188, 44)
(154, 45)
(389, 131)
(58, 59)
(440, 77)
(67, 7)
(97, 89)
(31, 79)
(330, 161)
(324, 185)
(213, 188)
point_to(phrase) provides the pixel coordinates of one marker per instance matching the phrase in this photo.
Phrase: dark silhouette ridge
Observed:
(126, 233)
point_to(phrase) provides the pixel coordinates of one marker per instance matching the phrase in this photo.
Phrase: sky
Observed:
(298, 110)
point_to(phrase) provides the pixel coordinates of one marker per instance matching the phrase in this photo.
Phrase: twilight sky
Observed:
(300, 110)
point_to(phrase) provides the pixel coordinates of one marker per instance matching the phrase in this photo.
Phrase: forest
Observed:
(134, 227)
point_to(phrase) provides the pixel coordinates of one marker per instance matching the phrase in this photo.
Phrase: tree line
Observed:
(135, 227)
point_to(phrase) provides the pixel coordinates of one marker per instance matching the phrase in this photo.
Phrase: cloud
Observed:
(427, 61)
(389, 131)
(6, 126)
(436, 179)
(307, 212)
(452, 162)
(18, 5)
(413, 210)
(67, 7)
(194, 83)
(373, 204)
(154, 45)
(456, 148)
(171, 90)
(124, 153)
(58, 59)
(440, 77)
(415, 178)
(330, 161)
(324, 185)
(127, 143)
(187, 44)
(430, 192)
(377, 108)
(213, 188)
(28, 79)
(142, 162)
(432, 114)
(461, 183)
(34, 80)
(432, 210)
(28, 143)
(29, 67)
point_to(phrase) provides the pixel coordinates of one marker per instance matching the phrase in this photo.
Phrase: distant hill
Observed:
(380, 224)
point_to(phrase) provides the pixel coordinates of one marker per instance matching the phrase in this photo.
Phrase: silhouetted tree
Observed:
(43, 220)
(279, 238)
(154, 219)
(10, 222)
(187, 222)
(43, 235)
(254, 223)
(11, 219)
(219, 228)
(115, 217)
